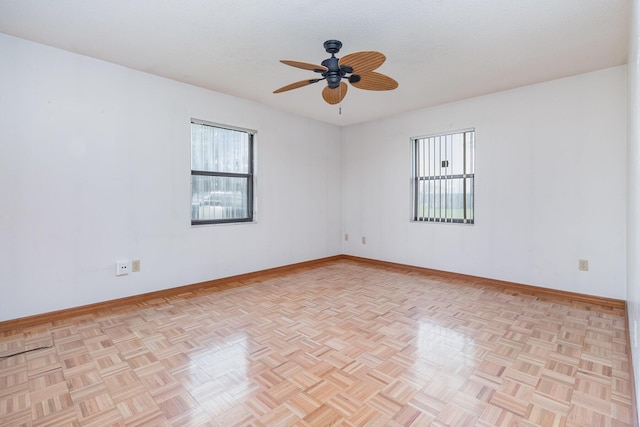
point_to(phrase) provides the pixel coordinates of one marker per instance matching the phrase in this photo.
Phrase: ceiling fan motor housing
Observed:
(334, 74)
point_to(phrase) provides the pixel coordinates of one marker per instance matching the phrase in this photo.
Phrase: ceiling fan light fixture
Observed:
(333, 79)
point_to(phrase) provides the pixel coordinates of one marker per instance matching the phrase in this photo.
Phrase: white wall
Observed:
(550, 186)
(633, 190)
(95, 167)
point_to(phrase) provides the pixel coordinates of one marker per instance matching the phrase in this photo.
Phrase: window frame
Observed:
(250, 176)
(416, 179)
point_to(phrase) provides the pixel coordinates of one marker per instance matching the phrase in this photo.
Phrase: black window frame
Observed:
(249, 176)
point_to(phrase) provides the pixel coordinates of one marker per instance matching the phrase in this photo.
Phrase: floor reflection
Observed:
(222, 370)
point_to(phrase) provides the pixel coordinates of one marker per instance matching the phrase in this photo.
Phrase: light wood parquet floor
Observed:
(345, 344)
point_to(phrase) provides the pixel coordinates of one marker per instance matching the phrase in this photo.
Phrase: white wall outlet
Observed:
(135, 266)
(346, 237)
(364, 240)
(122, 268)
(583, 264)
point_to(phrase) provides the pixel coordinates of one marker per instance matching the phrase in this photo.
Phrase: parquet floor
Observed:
(343, 344)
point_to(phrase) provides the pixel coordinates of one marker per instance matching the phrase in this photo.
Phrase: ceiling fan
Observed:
(356, 67)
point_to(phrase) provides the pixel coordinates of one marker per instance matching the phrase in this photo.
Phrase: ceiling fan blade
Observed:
(296, 85)
(305, 65)
(362, 62)
(375, 81)
(334, 96)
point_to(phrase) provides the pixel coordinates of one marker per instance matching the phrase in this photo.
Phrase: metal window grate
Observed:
(444, 177)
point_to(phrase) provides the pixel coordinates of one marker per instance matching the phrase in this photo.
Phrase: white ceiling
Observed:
(438, 50)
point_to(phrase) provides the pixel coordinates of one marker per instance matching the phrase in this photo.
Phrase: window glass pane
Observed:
(420, 153)
(219, 198)
(221, 174)
(456, 161)
(457, 199)
(422, 194)
(470, 152)
(215, 149)
(438, 198)
(434, 150)
(469, 196)
(431, 197)
(443, 185)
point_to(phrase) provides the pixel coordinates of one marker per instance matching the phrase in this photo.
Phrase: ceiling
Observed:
(438, 50)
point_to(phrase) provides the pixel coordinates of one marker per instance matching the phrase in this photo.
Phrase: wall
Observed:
(633, 191)
(95, 167)
(550, 186)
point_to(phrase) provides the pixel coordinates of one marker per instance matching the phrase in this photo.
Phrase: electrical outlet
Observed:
(122, 268)
(346, 237)
(583, 265)
(364, 240)
(135, 266)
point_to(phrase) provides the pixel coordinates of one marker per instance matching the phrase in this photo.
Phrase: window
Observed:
(222, 177)
(443, 177)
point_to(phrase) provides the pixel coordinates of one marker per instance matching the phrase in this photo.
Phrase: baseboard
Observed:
(510, 287)
(156, 297)
(91, 310)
